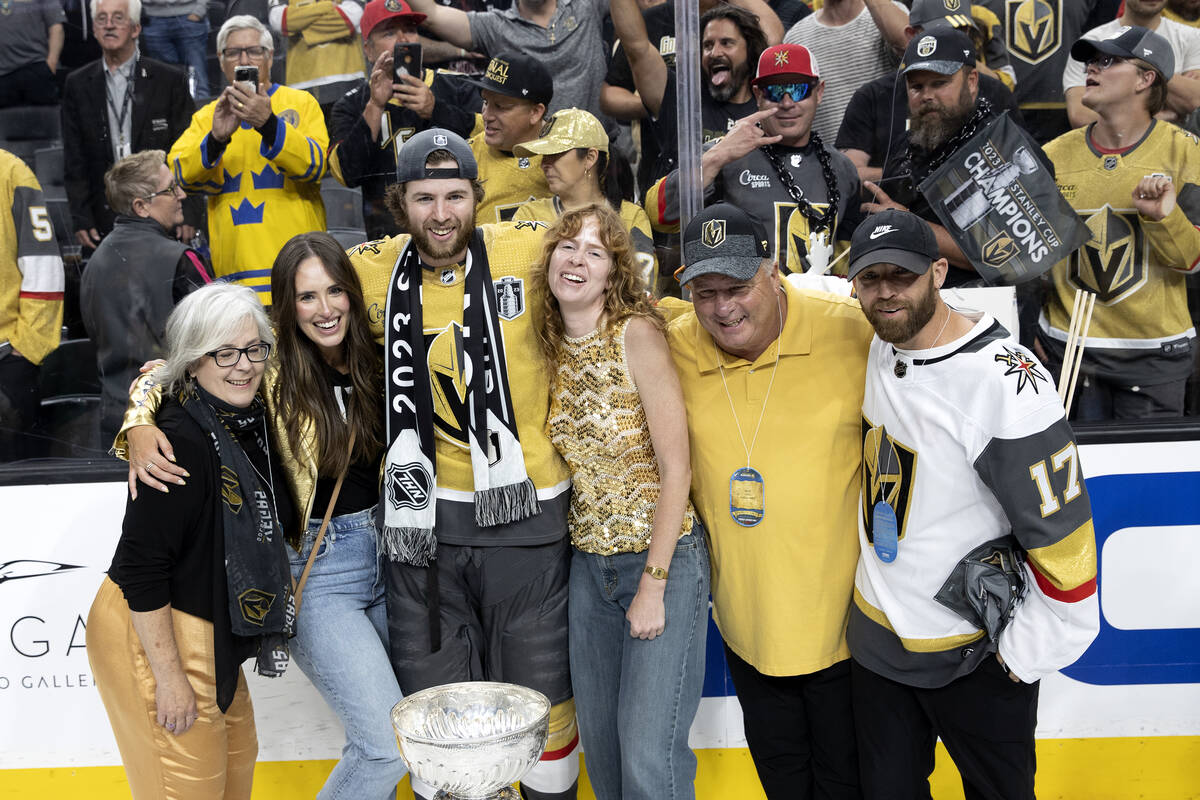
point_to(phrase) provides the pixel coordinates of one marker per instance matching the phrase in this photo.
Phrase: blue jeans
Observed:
(341, 644)
(179, 40)
(636, 699)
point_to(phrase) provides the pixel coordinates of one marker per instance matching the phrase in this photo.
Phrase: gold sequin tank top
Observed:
(599, 426)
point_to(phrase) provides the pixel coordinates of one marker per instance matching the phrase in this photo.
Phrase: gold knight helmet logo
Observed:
(1033, 28)
(447, 378)
(231, 490)
(1113, 263)
(953, 5)
(999, 250)
(888, 471)
(712, 234)
(255, 604)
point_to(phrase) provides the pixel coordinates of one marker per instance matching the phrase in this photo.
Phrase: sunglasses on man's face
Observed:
(775, 92)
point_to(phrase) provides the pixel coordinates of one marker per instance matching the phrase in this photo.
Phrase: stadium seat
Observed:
(69, 420)
(348, 237)
(48, 166)
(26, 129)
(343, 207)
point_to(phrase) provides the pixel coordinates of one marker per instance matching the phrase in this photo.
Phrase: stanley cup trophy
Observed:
(472, 740)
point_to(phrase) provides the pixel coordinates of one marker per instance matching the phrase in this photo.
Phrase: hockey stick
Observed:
(1068, 359)
(1089, 304)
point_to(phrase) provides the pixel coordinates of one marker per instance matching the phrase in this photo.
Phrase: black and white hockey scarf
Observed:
(503, 491)
(261, 603)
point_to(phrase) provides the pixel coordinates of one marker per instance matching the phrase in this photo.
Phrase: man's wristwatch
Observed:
(658, 573)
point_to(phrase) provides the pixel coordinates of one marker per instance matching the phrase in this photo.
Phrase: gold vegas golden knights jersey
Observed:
(514, 250)
(509, 180)
(1141, 331)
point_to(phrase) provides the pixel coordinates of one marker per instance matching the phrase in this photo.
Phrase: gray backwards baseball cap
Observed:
(410, 162)
(1131, 42)
(893, 237)
(724, 240)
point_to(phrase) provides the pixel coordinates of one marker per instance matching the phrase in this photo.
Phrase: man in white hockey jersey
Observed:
(977, 575)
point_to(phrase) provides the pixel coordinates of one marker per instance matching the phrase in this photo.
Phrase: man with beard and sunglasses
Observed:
(732, 39)
(970, 489)
(474, 501)
(945, 111)
(775, 167)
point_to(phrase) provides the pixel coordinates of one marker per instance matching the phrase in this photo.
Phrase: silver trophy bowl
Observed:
(472, 740)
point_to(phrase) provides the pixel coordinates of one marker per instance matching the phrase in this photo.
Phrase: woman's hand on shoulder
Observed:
(175, 704)
(152, 460)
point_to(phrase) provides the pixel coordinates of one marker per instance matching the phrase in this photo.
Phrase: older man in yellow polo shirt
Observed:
(773, 382)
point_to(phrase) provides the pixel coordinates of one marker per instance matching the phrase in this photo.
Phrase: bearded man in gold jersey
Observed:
(474, 501)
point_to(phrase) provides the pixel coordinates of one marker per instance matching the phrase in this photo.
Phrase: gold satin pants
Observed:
(215, 758)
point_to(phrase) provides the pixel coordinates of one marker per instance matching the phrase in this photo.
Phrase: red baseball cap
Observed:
(377, 11)
(791, 60)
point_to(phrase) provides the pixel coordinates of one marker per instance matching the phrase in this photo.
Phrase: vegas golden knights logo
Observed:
(448, 381)
(888, 471)
(712, 234)
(255, 604)
(999, 250)
(1033, 28)
(231, 490)
(1113, 263)
(953, 5)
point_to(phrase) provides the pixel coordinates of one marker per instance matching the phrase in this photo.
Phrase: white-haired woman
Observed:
(200, 579)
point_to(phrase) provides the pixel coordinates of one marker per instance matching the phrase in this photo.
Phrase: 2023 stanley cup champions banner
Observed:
(1000, 203)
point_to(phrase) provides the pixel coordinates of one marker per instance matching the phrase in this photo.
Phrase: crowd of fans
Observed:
(819, 126)
(851, 85)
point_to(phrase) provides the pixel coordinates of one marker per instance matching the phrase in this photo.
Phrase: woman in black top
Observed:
(199, 581)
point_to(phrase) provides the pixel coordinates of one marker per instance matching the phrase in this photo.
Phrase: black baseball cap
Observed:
(893, 237)
(1131, 42)
(957, 13)
(939, 49)
(410, 162)
(517, 75)
(724, 240)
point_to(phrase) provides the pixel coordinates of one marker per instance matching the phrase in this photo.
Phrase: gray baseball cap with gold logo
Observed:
(725, 240)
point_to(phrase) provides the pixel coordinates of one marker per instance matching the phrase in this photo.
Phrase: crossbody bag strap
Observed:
(312, 556)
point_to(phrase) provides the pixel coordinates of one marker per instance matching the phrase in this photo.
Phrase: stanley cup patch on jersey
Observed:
(887, 476)
(510, 297)
(1113, 263)
(1033, 28)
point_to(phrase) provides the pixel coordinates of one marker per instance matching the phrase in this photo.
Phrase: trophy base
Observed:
(507, 793)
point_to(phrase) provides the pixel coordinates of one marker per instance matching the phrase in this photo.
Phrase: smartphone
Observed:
(245, 77)
(406, 60)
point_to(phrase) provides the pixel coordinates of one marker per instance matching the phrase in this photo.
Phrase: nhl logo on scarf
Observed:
(408, 485)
